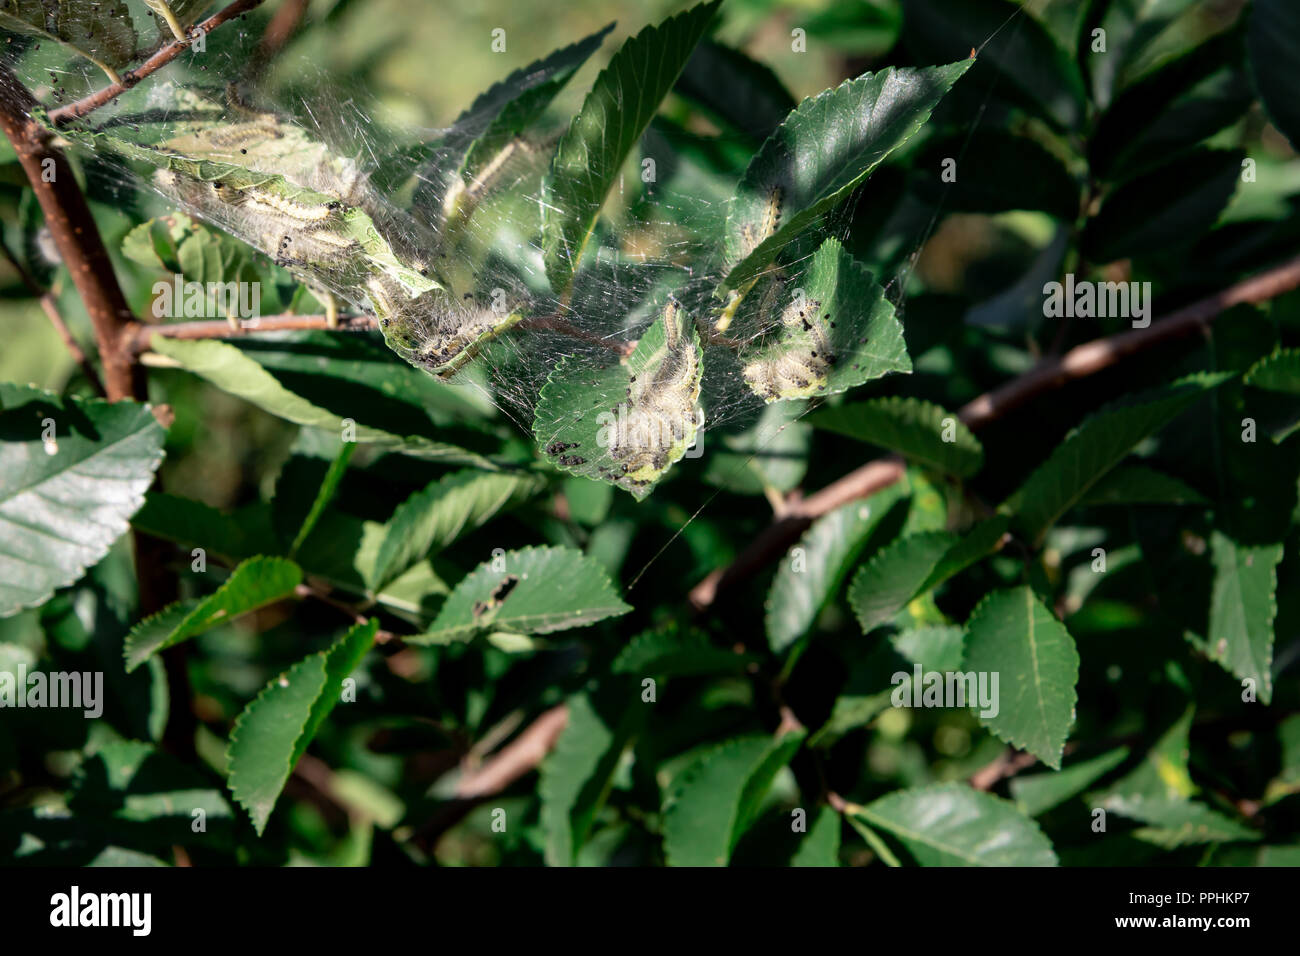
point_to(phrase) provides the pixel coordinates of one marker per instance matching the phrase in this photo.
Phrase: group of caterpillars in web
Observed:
(799, 363)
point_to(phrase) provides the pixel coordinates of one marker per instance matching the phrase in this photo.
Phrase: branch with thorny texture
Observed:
(1079, 362)
(164, 55)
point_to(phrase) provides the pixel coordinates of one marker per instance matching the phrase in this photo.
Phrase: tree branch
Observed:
(88, 104)
(1051, 373)
(141, 334)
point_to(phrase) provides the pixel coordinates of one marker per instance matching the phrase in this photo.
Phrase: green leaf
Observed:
(934, 648)
(1013, 635)
(772, 454)
(1273, 38)
(255, 583)
(1037, 793)
(996, 171)
(835, 331)
(1175, 823)
(530, 591)
(495, 118)
(952, 825)
(821, 153)
(627, 423)
(99, 30)
(1243, 606)
(821, 845)
(65, 500)
(1097, 446)
(623, 100)
(1140, 485)
(275, 729)
(814, 569)
(185, 521)
(1017, 56)
(913, 565)
(577, 775)
(672, 651)
(914, 428)
(1279, 372)
(324, 494)
(232, 371)
(1163, 773)
(453, 505)
(716, 799)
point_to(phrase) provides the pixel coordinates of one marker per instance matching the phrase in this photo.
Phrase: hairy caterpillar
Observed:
(752, 235)
(660, 414)
(800, 362)
(436, 332)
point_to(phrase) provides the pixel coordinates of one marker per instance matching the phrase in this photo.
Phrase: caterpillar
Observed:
(659, 418)
(800, 362)
(752, 235)
(436, 332)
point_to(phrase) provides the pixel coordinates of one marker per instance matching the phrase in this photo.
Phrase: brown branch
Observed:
(74, 232)
(1051, 373)
(1006, 764)
(88, 104)
(51, 309)
(141, 334)
(284, 24)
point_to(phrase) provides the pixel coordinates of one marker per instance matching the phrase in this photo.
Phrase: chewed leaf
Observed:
(531, 591)
(628, 423)
(826, 332)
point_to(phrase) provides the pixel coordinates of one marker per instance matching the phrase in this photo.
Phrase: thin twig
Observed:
(88, 104)
(141, 334)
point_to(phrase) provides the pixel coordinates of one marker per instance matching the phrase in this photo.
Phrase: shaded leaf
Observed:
(911, 427)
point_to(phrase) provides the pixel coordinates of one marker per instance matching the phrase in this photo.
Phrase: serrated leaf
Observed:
(835, 331)
(623, 100)
(1279, 372)
(324, 494)
(63, 502)
(673, 651)
(530, 591)
(953, 825)
(1273, 38)
(1097, 446)
(627, 423)
(811, 574)
(1013, 635)
(1243, 605)
(577, 775)
(255, 583)
(913, 565)
(232, 371)
(453, 505)
(1140, 485)
(821, 845)
(1037, 793)
(1164, 771)
(824, 150)
(715, 800)
(275, 729)
(914, 428)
